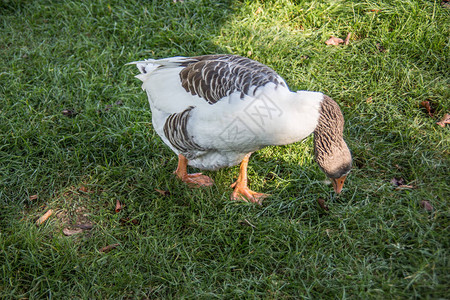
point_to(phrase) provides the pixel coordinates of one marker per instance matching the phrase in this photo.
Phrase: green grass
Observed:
(374, 242)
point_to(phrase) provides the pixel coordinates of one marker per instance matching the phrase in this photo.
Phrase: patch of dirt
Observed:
(71, 210)
(74, 212)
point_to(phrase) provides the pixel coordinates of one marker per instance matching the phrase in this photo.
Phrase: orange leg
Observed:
(193, 180)
(241, 190)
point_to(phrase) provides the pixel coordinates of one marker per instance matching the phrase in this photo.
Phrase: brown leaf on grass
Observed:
(108, 248)
(118, 206)
(428, 107)
(127, 221)
(83, 189)
(44, 217)
(334, 41)
(259, 10)
(380, 47)
(369, 100)
(162, 192)
(347, 39)
(34, 197)
(444, 120)
(426, 205)
(375, 10)
(85, 226)
(323, 204)
(69, 232)
(69, 113)
(398, 181)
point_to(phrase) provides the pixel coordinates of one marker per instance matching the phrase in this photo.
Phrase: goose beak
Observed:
(338, 183)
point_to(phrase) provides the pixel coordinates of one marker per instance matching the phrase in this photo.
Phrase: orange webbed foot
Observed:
(242, 192)
(192, 180)
(197, 180)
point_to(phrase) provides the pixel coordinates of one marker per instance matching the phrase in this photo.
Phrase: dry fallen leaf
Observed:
(108, 248)
(164, 193)
(444, 120)
(259, 10)
(428, 107)
(83, 189)
(380, 47)
(426, 205)
(375, 10)
(69, 232)
(398, 181)
(127, 221)
(323, 204)
(334, 41)
(85, 226)
(34, 197)
(347, 39)
(118, 206)
(44, 217)
(69, 113)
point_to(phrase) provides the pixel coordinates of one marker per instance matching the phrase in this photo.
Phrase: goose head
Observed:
(331, 151)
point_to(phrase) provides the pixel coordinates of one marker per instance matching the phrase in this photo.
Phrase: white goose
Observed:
(213, 111)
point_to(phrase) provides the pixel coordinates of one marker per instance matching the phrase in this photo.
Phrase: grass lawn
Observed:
(76, 137)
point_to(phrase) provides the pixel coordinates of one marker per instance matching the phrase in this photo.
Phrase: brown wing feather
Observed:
(175, 130)
(213, 77)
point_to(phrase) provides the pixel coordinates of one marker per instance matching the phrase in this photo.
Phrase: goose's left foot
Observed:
(241, 190)
(193, 180)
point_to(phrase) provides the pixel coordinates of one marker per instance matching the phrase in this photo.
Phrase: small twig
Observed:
(404, 187)
(247, 222)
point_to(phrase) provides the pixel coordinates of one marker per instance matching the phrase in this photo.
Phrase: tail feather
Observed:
(148, 66)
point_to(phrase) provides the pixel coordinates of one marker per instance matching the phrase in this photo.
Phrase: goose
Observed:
(214, 111)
